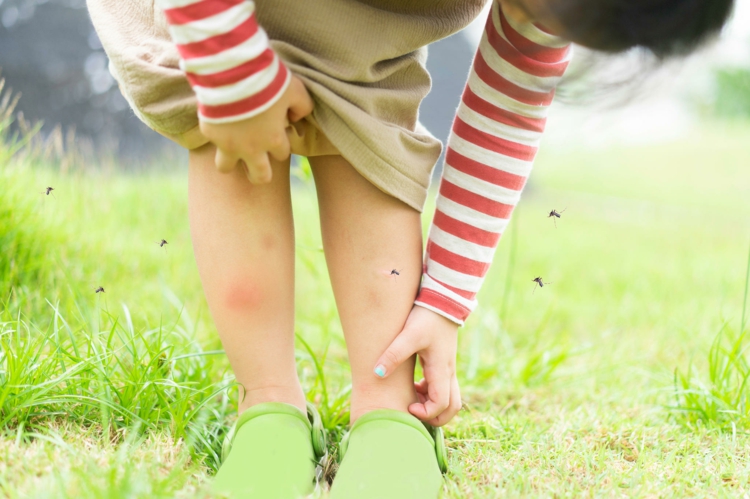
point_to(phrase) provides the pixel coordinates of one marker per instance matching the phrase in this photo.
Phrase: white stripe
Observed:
(460, 246)
(478, 186)
(489, 158)
(499, 28)
(456, 279)
(254, 112)
(531, 32)
(174, 4)
(219, 24)
(238, 91)
(497, 129)
(503, 101)
(227, 59)
(470, 216)
(511, 73)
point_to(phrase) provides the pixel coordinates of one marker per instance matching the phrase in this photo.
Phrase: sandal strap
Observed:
(317, 431)
(436, 432)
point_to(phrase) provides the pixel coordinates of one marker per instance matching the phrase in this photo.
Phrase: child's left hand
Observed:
(434, 339)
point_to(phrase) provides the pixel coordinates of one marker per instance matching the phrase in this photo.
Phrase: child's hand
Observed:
(434, 338)
(254, 139)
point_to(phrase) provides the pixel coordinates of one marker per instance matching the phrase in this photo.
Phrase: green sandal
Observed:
(390, 454)
(271, 452)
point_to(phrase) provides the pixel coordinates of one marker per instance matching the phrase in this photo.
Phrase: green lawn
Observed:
(569, 390)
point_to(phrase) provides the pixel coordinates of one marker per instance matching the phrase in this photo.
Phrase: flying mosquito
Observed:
(162, 243)
(539, 282)
(48, 190)
(100, 289)
(555, 214)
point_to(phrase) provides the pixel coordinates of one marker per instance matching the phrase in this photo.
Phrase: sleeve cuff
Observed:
(442, 305)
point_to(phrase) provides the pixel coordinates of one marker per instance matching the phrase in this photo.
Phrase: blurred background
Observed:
(50, 53)
(626, 376)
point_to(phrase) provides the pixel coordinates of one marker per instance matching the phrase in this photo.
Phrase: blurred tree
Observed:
(51, 56)
(733, 92)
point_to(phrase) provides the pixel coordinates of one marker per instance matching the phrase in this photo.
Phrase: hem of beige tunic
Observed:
(371, 166)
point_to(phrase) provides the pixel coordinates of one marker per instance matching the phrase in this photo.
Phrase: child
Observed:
(340, 81)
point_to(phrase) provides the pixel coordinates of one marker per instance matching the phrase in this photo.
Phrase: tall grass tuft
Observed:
(721, 396)
(111, 375)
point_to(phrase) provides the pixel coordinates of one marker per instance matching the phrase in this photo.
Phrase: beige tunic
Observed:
(363, 62)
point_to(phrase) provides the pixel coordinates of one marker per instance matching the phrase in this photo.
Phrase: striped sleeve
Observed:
(226, 57)
(495, 137)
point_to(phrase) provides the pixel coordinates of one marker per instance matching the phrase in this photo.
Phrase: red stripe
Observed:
(517, 59)
(529, 48)
(440, 302)
(481, 171)
(456, 262)
(474, 201)
(220, 43)
(465, 231)
(460, 292)
(493, 143)
(235, 74)
(249, 103)
(491, 78)
(199, 10)
(481, 106)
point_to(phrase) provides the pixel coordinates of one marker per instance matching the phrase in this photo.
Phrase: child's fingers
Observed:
(300, 103)
(453, 407)
(225, 162)
(402, 348)
(438, 396)
(280, 149)
(258, 169)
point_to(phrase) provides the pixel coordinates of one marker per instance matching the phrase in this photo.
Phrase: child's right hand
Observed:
(252, 140)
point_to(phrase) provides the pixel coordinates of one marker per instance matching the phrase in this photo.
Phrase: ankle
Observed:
(290, 394)
(367, 397)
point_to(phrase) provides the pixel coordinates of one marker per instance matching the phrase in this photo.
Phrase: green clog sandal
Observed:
(390, 454)
(271, 453)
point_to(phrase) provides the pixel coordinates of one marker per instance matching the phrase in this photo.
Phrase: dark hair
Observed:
(665, 27)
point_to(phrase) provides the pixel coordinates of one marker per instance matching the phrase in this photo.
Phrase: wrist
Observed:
(437, 320)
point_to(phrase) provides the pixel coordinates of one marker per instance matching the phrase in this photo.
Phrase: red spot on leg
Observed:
(243, 296)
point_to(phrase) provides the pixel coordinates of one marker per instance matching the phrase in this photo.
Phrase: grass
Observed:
(570, 390)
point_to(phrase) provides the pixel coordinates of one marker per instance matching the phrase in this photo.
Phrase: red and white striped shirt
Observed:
(495, 136)
(491, 149)
(226, 57)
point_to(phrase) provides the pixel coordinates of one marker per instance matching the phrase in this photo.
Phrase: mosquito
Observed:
(394, 272)
(555, 214)
(100, 289)
(48, 191)
(540, 282)
(162, 243)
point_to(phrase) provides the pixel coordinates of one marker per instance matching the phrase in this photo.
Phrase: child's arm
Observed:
(246, 96)
(495, 136)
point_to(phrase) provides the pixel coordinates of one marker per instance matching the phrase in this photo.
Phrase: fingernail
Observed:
(380, 370)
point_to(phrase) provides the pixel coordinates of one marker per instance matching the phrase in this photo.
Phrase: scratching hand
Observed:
(250, 142)
(434, 339)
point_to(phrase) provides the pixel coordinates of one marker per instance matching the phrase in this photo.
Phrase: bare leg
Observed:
(366, 234)
(243, 237)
